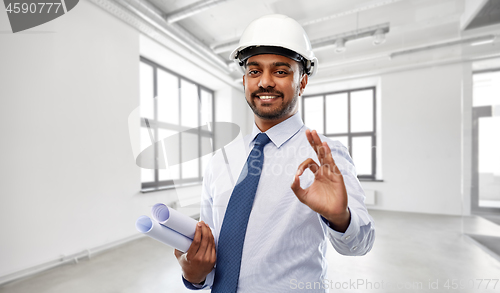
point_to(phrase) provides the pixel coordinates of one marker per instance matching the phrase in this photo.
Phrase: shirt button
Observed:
(347, 237)
(354, 248)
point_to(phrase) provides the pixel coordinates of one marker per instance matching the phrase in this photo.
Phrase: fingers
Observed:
(195, 245)
(327, 170)
(299, 192)
(309, 135)
(210, 253)
(213, 252)
(316, 144)
(315, 137)
(200, 258)
(330, 162)
(307, 164)
(205, 240)
(203, 246)
(296, 185)
(328, 158)
(322, 149)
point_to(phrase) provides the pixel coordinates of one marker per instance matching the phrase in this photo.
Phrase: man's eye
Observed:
(281, 72)
(251, 72)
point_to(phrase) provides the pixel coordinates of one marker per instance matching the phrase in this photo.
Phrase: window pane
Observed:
(313, 113)
(168, 97)
(146, 91)
(489, 161)
(362, 154)
(486, 89)
(336, 113)
(189, 150)
(362, 111)
(189, 104)
(170, 172)
(206, 107)
(147, 175)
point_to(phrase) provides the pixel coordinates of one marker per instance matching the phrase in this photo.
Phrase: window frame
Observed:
(349, 134)
(153, 125)
(477, 113)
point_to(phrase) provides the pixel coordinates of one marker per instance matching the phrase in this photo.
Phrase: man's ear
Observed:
(303, 83)
(243, 81)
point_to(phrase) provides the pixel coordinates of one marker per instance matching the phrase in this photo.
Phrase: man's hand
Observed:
(327, 195)
(200, 258)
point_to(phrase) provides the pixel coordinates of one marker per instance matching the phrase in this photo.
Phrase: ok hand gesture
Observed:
(327, 195)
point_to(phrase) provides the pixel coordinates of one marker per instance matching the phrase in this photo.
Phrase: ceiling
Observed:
(420, 31)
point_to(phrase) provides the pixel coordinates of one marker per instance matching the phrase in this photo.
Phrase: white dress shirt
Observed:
(286, 241)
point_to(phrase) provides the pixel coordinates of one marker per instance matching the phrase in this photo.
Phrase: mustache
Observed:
(266, 91)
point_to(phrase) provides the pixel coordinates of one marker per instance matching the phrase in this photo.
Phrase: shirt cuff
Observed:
(350, 233)
(192, 286)
(209, 281)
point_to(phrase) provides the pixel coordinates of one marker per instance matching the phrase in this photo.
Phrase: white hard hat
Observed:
(276, 34)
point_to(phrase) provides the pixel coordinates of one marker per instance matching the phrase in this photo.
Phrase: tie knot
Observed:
(262, 139)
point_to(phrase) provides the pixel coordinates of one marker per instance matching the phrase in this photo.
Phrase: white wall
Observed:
(69, 179)
(420, 141)
(421, 153)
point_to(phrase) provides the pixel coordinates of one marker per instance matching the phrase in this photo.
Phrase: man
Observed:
(299, 188)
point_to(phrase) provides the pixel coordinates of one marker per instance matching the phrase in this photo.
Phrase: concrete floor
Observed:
(415, 252)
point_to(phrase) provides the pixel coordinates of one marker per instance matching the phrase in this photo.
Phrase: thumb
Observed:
(299, 192)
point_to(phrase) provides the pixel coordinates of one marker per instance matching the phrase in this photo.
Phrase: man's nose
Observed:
(266, 80)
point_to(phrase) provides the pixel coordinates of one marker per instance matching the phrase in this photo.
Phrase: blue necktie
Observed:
(234, 226)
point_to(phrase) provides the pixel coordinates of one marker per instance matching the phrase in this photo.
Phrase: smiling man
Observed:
(272, 86)
(296, 191)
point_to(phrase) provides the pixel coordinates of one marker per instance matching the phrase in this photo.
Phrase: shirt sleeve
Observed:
(204, 286)
(360, 234)
(206, 216)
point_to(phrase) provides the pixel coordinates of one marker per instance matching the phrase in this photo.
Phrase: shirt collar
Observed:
(281, 132)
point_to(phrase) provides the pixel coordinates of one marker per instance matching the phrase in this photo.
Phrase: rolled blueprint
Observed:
(174, 220)
(163, 234)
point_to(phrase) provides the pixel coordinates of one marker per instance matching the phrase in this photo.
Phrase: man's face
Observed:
(273, 84)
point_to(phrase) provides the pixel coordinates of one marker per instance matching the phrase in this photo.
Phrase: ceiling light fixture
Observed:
(379, 37)
(483, 42)
(339, 45)
(365, 32)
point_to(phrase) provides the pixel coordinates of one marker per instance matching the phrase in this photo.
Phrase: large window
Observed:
(347, 116)
(485, 142)
(172, 110)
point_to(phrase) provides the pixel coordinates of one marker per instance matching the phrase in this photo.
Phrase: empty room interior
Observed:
(115, 106)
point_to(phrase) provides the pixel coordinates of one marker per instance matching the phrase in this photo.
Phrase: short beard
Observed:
(281, 111)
